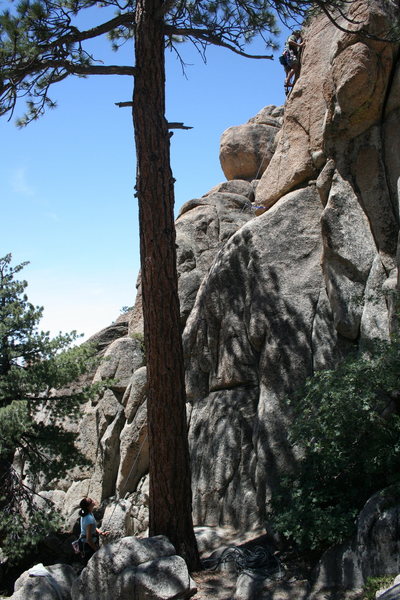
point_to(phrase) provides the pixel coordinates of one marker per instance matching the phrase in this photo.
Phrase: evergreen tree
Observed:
(40, 44)
(35, 371)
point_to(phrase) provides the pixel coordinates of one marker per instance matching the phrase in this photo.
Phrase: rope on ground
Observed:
(258, 560)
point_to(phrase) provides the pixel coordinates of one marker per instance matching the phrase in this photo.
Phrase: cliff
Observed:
(266, 300)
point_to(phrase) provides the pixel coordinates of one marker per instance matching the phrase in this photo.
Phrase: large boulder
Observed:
(45, 583)
(373, 552)
(133, 569)
(246, 150)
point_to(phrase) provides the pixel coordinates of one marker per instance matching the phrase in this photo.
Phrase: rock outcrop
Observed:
(246, 150)
(268, 300)
(45, 583)
(373, 551)
(129, 569)
(133, 569)
(296, 289)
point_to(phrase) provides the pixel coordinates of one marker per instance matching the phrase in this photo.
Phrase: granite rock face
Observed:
(336, 103)
(248, 341)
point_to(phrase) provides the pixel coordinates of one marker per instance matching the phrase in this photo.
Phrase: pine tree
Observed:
(40, 44)
(35, 372)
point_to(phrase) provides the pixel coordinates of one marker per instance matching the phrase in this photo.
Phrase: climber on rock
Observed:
(89, 535)
(291, 58)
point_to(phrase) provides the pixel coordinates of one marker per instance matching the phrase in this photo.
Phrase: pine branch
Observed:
(172, 125)
(37, 66)
(175, 125)
(209, 38)
(79, 36)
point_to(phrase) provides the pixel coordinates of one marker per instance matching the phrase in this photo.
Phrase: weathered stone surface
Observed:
(128, 516)
(369, 173)
(268, 301)
(136, 314)
(161, 579)
(349, 250)
(373, 552)
(324, 181)
(133, 445)
(134, 450)
(391, 594)
(246, 150)
(269, 115)
(202, 227)
(391, 142)
(140, 508)
(337, 97)
(133, 569)
(109, 334)
(121, 359)
(240, 187)
(135, 393)
(99, 431)
(54, 586)
(375, 317)
(359, 74)
(236, 368)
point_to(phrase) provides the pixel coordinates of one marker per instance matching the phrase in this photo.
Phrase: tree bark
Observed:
(170, 510)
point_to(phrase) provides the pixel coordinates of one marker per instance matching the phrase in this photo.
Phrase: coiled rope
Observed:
(258, 560)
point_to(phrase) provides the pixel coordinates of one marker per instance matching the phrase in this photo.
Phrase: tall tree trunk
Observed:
(170, 484)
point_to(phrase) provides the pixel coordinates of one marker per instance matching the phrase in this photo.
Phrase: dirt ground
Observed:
(219, 582)
(214, 586)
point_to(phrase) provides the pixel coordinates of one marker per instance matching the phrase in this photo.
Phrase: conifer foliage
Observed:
(35, 372)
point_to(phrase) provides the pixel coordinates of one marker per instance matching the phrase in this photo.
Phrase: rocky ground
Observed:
(214, 585)
(251, 566)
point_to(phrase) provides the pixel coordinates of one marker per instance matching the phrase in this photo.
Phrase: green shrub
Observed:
(346, 428)
(374, 584)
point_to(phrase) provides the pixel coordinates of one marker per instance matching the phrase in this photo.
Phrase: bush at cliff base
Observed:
(346, 428)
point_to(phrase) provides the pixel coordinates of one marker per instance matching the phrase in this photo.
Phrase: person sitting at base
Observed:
(292, 53)
(89, 536)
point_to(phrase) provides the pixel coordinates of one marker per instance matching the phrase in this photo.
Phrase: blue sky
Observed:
(66, 181)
